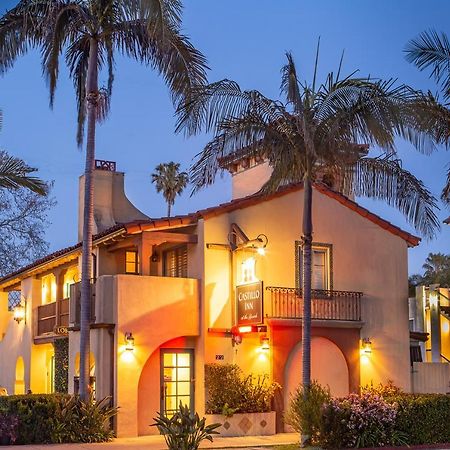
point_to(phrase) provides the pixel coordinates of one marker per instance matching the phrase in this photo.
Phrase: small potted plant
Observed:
(184, 430)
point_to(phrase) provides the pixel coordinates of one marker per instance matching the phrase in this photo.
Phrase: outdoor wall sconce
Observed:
(366, 346)
(129, 341)
(265, 343)
(20, 312)
(259, 243)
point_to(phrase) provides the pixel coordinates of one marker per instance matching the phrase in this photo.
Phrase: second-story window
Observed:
(175, 262)
(131, 262)
(321, 266)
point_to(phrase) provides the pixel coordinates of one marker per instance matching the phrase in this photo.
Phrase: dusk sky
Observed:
(244, 40)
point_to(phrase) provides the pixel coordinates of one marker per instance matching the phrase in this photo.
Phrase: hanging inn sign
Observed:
(249, 298)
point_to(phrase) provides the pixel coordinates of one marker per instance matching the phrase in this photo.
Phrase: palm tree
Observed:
(431, 50)
(15, 173)
(313, 132)
(437, 269)
(89, 33)
(170, 181)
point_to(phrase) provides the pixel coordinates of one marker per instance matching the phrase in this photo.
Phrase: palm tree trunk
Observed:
(307, 276)
(88, 219)
(305, 438)
(168, 209)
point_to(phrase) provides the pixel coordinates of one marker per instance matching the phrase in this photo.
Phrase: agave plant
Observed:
(185, 430)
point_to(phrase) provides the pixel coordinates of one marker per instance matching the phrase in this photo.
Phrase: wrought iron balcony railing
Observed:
(287, 303)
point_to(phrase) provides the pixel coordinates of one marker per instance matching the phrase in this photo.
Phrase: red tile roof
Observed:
(59, 253)
(245, 202)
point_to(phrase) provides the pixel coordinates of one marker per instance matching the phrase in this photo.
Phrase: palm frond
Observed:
(165, 49)
(77, 59)
(290, 85)
(432, 50)
(374, 112)
(224, 100)
(61, 26)
(445, 196)
(15, 173)
(384, 179)
(21, 28)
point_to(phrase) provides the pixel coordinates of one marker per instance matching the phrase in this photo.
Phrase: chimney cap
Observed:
(101, 164)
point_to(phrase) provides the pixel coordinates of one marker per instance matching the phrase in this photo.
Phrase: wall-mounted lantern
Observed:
(20, 312)
(259, 243)
(366, 346)
(265, 343)
(129, 341)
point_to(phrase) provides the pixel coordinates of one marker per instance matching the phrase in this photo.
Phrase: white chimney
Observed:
(111, 205)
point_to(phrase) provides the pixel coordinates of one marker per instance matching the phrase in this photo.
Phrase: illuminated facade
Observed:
(221, 285)
(429, 320)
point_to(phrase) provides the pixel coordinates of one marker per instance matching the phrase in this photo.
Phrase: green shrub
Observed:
(185, 430)
(228, 391)
(35, 414)
(425, 418)
(304, 413)
(78, 421)
(8, 428)
(57, 418)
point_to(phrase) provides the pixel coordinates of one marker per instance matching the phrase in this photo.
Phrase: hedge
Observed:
(424, 418)
(54, 418)
(381, 416)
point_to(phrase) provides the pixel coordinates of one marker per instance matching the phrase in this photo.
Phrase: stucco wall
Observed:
(17, 343)
(251, 180)
(156, 310)
(366, 258)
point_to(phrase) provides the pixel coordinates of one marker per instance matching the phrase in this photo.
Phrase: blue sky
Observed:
(244, 40)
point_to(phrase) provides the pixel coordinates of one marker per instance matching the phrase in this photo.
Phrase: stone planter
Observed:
(246, 424)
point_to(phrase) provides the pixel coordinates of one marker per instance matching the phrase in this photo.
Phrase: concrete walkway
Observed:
(157, 443)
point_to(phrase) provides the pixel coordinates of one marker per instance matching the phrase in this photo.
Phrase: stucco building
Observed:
(219, 285)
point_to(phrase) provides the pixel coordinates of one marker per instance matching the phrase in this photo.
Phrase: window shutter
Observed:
(176, 262)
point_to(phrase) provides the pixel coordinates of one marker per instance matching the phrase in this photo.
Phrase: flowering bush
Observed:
(356, 421)
(8, 428)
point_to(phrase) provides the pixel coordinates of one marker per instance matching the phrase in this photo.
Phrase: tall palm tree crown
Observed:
(431, 50)
(89, 33)
(170, 181)
(316, 131)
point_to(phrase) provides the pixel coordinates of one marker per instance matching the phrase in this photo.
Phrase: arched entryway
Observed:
(166, 379)
(328, 367)
(19, 383)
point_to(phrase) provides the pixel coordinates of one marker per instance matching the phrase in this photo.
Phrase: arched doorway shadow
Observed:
(328, 368)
